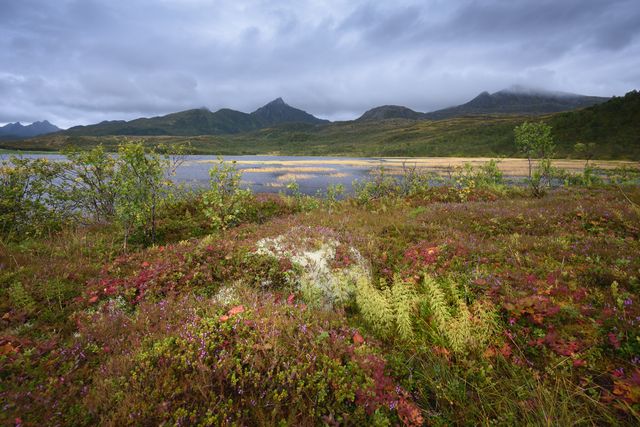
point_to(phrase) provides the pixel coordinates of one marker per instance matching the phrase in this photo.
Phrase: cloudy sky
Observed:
(83, 61)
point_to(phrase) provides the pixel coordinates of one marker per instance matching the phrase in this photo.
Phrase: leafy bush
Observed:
(140, 189)
(535, 141)
(382, 185)
(334, 192)
(92, 183)
(225, 202)
(32, 197)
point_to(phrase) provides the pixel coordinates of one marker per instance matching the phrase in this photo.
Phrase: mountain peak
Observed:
(18, 130)
(390, 112)
(277, 101)
(277, 112)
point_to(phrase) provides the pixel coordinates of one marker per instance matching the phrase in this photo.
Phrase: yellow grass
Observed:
(339, 175)
(295, 177)
(288, 169)
(440, 165)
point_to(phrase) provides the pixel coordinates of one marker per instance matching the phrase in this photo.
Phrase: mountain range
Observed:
(17, 130)
(515, 100)
(614, 126)
(202, 122)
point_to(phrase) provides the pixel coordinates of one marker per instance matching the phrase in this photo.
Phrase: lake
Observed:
(313, 174)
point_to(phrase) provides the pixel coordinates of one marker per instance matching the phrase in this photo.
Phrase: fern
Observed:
(403, 302)
(374, 306)
(21, 298)
(437, 303)
(388, 310)
(462, 327)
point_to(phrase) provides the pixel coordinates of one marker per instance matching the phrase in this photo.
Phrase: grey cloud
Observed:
(81, 61)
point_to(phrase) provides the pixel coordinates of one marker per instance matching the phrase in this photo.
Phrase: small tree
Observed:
(586, 150)
(225, 201)
(139, 188)
(32, 197)
(535, 141)
(92, 182)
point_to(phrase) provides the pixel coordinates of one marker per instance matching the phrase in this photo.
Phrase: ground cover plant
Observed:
(403, 304)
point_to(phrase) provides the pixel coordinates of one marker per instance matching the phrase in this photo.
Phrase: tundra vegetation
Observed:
(125, 300)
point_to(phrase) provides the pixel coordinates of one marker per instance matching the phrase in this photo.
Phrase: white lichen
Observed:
(319, 282)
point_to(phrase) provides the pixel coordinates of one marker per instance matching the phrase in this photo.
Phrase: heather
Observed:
(468, 303)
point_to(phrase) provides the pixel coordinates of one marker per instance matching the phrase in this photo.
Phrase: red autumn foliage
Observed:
(357, 338)
(613, 340)
(422, 254)
(628, 389)
(535, 307)
(579, 363)
(236, 310)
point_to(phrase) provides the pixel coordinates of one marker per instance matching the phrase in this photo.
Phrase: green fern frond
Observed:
(403, 303)
(374, 306)
(461, 326)
(388, 309)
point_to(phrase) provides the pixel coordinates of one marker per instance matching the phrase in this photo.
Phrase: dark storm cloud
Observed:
(83, 61)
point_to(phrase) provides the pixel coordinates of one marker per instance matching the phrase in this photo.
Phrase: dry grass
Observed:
(440, 165)
(295, 177)
(287, 169)
(339, 175)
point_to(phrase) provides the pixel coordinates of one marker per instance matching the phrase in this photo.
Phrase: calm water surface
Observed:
(273, 173)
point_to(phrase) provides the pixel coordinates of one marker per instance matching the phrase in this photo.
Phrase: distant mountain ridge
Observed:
(390, 112)
(18, 130)
(518, 100)
(202, 122)
(514, 100)
(613, 126)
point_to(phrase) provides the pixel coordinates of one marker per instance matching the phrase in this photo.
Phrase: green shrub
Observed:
(140, 189)
(535, 141)
(382, 185)
(92, 182)
(33, 201)
(20, 298)
(225, 202)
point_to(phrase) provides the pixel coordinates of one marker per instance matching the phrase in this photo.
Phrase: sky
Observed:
(83, 61)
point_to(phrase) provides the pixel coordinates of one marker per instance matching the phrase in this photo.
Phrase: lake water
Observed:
(273, 173)
(312, 174)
